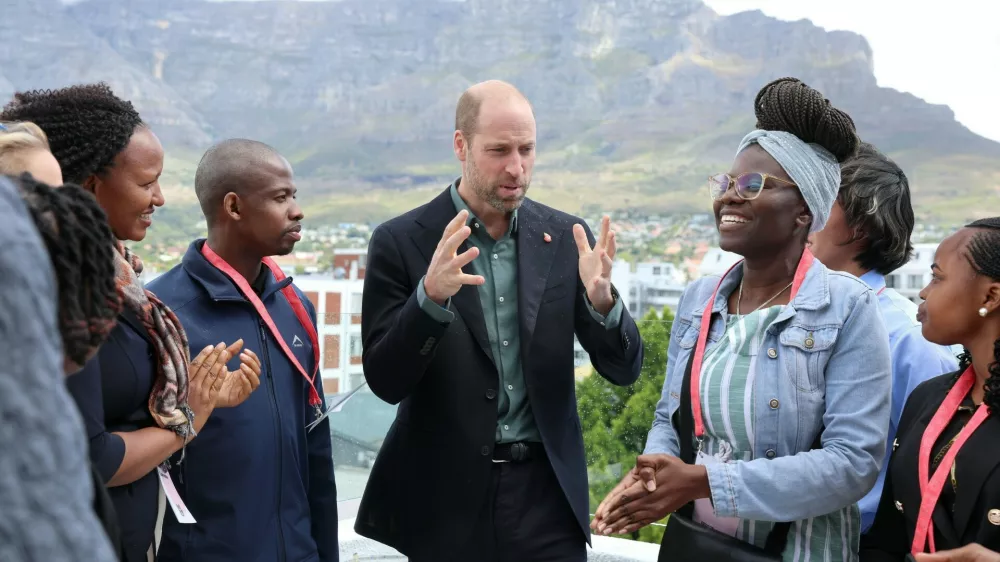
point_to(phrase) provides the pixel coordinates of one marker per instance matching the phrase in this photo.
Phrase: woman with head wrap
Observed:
(775, 405)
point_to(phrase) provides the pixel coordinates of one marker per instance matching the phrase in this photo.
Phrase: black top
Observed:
(968, 510)
(943, 445)
(112, 394)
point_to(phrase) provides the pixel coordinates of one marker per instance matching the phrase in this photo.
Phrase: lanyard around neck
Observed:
(930, 488)
(706, 319)
(297, 307)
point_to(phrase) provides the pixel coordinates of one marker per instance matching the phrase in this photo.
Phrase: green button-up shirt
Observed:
(497, 263)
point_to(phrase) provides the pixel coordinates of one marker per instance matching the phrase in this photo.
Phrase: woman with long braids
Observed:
(48, 492)
(135, 395)
(775, 407)
(81, 250)
(942, 489)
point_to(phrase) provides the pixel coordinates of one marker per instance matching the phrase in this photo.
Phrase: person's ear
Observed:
(231, 206)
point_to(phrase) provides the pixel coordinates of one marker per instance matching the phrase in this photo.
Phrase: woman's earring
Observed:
(983, 311)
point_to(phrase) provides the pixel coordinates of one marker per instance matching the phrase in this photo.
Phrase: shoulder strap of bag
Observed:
(778, 537)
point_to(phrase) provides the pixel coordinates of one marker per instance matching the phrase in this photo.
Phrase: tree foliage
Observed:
(615, 419)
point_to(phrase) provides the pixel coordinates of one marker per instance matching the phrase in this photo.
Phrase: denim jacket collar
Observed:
(814, 293)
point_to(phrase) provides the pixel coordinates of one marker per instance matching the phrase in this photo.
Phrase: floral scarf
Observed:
(168, 401)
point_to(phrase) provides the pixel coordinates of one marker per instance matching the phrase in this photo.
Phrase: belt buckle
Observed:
(518, 452)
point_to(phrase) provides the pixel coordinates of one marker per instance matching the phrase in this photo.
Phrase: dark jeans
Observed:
(526, 518)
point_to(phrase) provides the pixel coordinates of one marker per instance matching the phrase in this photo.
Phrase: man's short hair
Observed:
(471, 102)
(467, 114)
(875, 197)
(228, 166)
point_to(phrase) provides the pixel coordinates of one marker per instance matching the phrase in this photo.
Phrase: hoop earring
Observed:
(983, 311)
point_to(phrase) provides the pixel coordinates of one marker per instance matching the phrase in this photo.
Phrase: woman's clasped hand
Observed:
(657, 486)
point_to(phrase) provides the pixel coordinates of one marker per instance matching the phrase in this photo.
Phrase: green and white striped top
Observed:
(727, 402)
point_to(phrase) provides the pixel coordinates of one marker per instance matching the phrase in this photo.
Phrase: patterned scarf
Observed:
(168, 401)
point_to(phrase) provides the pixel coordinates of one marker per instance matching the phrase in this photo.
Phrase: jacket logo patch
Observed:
(296, 342)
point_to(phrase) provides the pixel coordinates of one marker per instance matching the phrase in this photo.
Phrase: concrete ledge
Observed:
(355, 548)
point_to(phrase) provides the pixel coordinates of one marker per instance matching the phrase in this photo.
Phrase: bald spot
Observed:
(490, 92)
(240, 166)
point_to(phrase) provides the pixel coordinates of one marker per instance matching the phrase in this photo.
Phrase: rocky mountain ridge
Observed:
(635, 98)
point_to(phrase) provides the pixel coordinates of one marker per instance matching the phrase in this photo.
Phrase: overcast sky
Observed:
(943, 52)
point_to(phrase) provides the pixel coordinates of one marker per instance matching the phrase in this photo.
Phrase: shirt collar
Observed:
(461, 205)
(873, 279)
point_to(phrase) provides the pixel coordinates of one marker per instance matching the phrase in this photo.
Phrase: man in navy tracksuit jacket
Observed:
(260, 486)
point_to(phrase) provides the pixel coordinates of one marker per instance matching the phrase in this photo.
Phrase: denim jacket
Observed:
(826, 366)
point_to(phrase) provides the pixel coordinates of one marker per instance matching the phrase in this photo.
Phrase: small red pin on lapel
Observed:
(546, 237)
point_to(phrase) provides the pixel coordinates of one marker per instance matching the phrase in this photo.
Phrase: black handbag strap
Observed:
(778, 537)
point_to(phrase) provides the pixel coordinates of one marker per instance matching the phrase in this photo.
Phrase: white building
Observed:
(648, 285)
(716, 262)
(338, 316)
(915, 275)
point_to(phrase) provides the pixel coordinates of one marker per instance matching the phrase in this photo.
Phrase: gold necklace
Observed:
(739, 298)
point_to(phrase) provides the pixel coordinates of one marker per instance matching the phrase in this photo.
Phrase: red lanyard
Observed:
(699, 352)
(879, 292)
(297, 307)
(930, 489)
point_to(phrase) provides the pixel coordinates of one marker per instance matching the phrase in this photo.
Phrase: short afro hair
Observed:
(87, 125)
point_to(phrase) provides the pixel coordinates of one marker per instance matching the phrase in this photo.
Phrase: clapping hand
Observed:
(595, 265)
(237, 385)
(444, 274)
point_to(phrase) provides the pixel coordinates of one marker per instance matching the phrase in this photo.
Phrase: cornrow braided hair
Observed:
(788, 104)
(983, 252)
(87, 125)
(81, 247)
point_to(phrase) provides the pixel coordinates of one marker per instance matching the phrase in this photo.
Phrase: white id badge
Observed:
(173, 498)
(703, 511)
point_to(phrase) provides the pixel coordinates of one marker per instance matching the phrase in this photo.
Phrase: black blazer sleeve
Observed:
(888, 539)
(398, 337)
(616, 354)
(107, 450)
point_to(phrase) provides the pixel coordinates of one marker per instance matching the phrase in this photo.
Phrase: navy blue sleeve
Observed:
(107, 450)
(322, 485)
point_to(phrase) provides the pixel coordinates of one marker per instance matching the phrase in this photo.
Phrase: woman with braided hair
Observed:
(775, 407)
(77, 236)
(137, 395)
(942, 487)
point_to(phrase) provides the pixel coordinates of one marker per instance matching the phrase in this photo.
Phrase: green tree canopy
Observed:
(615, 419)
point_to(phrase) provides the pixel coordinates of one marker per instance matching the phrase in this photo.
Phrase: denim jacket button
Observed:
(769, 453)
(773, 403)
(772, 353)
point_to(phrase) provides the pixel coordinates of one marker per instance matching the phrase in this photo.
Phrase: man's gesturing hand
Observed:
(595, 265)
(444, 274)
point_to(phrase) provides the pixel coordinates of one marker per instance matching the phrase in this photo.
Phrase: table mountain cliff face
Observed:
(636, 100)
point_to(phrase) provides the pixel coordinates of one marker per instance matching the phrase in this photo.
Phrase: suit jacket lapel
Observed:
(980, 459)
(434, 219)
(534, 261)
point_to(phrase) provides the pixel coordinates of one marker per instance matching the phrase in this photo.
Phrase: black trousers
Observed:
(526, 518)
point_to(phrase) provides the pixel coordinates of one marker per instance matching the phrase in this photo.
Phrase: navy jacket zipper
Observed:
(277, 421)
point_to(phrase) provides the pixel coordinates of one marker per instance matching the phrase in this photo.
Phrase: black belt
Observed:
(522, 451)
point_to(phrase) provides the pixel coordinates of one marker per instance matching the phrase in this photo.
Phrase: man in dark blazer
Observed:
(470, 306)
